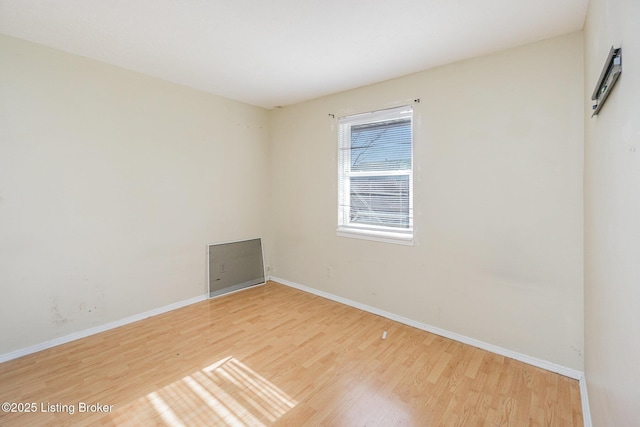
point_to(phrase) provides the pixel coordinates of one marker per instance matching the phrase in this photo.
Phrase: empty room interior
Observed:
(445, 210)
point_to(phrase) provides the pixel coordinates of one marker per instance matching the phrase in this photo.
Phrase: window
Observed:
(375, 175)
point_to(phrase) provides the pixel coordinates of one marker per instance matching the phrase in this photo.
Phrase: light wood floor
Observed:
(273, 355)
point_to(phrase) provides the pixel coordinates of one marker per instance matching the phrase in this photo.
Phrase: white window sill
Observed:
(377, 236)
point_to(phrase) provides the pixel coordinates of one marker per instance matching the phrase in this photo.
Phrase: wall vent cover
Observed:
(235, 265)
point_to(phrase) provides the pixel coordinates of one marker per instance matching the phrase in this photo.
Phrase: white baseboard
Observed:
(586, 410)
(534, 361)
(97, 329)
(549, 366)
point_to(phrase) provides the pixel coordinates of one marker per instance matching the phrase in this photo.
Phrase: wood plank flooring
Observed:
(272, 355)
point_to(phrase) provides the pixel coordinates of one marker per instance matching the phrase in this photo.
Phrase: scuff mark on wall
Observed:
(576, 350)
(56, 316)
(86, 303)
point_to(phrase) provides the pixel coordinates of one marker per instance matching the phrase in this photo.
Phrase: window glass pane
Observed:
(380, 200)
(381, 146)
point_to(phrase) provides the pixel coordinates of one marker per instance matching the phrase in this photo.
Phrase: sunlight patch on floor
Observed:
(227, 392)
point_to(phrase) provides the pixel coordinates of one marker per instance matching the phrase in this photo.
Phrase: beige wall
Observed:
(111, 186)
(113, 183)
(612, 219)
(498, 201)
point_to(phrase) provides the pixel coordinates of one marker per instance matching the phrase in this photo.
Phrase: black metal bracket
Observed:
(608, 78)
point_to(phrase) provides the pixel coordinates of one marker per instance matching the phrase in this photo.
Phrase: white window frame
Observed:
(347, 228)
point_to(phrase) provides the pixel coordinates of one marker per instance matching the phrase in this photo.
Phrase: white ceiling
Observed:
(279, 52)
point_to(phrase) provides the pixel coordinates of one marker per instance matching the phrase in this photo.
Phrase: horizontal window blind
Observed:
(376, 172)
